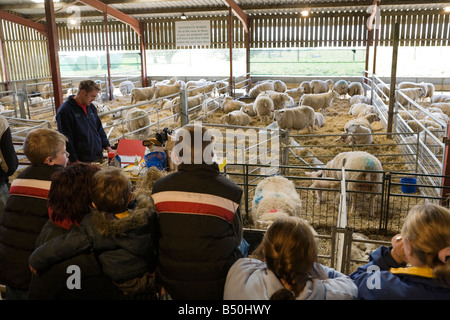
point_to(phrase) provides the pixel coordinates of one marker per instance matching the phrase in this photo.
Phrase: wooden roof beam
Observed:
(239, 12)
(100, 6)
(41, 28)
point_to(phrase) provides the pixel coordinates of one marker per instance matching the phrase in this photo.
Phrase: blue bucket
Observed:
(408, 185)
(155, 159)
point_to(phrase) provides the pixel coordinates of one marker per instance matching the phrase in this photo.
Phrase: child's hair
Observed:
(88, 86)
(70, 192)
(427, 228)
(189, 138)
(111, 190)
(42, 143)
(290, 251)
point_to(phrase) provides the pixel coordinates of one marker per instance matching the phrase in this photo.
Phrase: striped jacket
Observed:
(200, 229)
(25, 214)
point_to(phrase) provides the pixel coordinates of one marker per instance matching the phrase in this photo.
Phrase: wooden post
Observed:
(143, 55)
(446, 171)
(368, 42)
(230, 43)
(392, 84)
(247, 59)
(3, 56)
(108, 62)
(52, 43)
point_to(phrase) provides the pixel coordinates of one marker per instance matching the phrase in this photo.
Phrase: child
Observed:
(26, 208)
(200, 224)
(122, 237)
(417, 266)
(67, 207)
(288, 268)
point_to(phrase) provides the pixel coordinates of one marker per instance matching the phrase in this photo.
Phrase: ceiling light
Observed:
(304, 13)
(183, 16)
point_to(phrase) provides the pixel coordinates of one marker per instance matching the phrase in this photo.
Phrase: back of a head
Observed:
(69, 197)
(88, 86)
(194, 144)
(111, 190)
(290, 251)
(427, 228)
(42, 143)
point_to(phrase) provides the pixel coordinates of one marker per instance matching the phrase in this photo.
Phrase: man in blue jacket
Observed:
(78, 120)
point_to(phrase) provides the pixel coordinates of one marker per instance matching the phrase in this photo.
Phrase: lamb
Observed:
(260, 87)
(249, 109)
(412, 93)
(361, 109)
(280, 99)
(320, 86)
(444, 106)
(341, 87)
(408, 84)
(221, 87)
(359, 125)
(164, 90)
(440, 98)
(36, 101)
(229, 104)
(236, 118)
(295, 93)
(142, 94)
(355, 88)
(318, 101)
(138, 122)
(296, 118)
(263, 106)
(274, 197)
(305, 86)
(319, 119)
(125, 87)
(208, 88)
(362, 179)
(193, 102)
(359, 99)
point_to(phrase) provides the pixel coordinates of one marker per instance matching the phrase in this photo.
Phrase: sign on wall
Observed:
(193, 33)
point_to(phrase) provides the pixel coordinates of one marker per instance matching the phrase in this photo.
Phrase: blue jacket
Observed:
(384, 279)
(85, 132)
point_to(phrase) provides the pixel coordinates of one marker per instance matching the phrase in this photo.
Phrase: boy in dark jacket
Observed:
(78, 120)
(200, 224)
(123, 237)
(26, 208)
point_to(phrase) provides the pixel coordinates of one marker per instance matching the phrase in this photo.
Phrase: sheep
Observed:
(280, 99)
(248, 109)
(383, 90)
(296, 118)
(440, 98)
(320, 86)
(229, 104)
(8, 100)
(138, 122)
(318, 101)
(295, 93)
(444, 106)
(430, 90)
(279, 86)
(319, 119)
(36, 101)
(164, 90)
(142, 94)
(361, 109)
(208, 88)
(359, 99)
(193, 102)
(125, 87)
(355, 88)
(412, 93)
(408, 84)
(341, 87)
(263, 106)
(305, 86)
(236, 118)
(424, 138)
(274, 197)
(365, 179)
(260, 87)
(361, 126)
(221, 87)
(418, 125)
(409, 114)
(195, 83)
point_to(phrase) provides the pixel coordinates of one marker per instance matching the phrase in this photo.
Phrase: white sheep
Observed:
(358, 98)
(321, 86)
(249, 109)
(355, 88)
(236, 118)
(138, 122)
(280, 99)
(260, 87)
(341, 87)
(318, 101)
(164, 90)
(229, 104)
(36, 101)
(430, 89)
(365, 179)
(263, 106)
(361, 109)
(195, 83)
(319, 119)
(295, 93)
(209, 89)
(296, 118)
(413, 93)
(383, 91)
(444, 106)
(274, 197)
(125, 87)
(142, 94)
(440, 98)
(305, 86)
(359, 126)
(194, 105)
(409, 84)
(221, 87)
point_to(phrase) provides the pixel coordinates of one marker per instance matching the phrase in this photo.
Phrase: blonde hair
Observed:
(290, 251)
(427, 228)
(88, 86)
(42, 143)
(111, 190)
